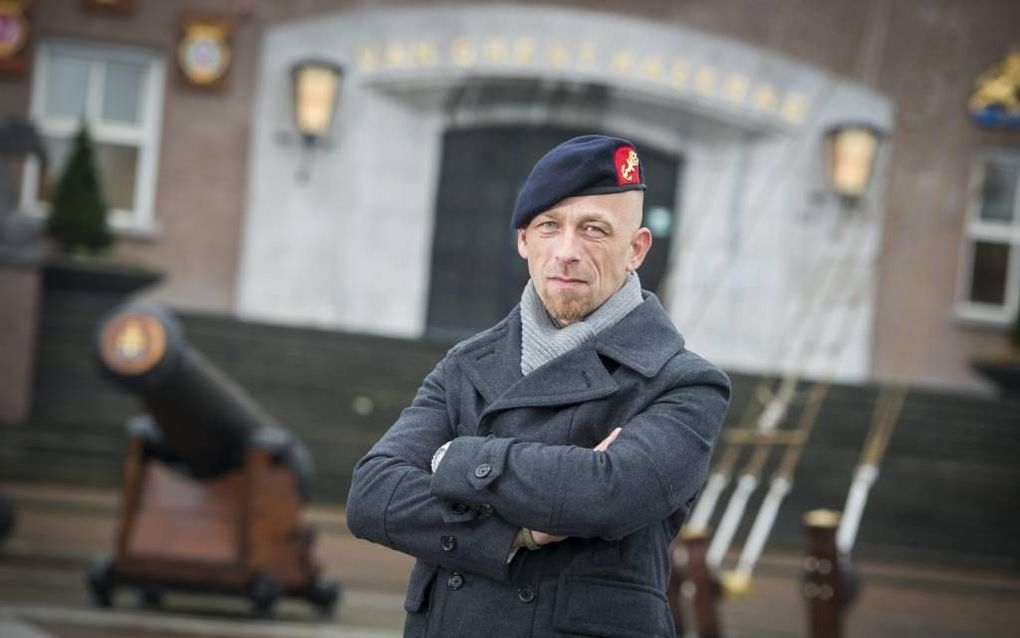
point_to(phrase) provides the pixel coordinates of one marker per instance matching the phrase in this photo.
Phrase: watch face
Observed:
(204, 55)
(13, 31)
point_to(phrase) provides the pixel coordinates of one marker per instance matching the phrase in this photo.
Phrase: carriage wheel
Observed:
(101, 580)
(263, 592)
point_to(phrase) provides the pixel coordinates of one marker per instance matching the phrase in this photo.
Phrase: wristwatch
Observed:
(438, 456)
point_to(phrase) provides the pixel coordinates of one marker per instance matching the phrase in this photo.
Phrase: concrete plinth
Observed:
(19, 292)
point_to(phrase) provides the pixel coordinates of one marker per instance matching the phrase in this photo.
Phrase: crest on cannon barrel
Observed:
(213, 485)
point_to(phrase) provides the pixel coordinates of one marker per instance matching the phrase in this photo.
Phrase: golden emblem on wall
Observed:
(13, 35)
(203, 52)
(996, 98)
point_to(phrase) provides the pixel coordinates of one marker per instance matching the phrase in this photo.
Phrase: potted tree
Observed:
(77, 221)
(83, 245)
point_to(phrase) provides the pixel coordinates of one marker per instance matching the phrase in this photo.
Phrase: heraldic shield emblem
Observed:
(996, 98)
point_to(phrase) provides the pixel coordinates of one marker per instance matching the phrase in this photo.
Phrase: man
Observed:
(545, 464)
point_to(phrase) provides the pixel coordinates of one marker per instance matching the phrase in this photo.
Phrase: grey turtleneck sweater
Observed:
(542, 339)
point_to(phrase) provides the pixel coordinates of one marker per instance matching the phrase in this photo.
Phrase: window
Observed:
(119, 93)
(990, 279)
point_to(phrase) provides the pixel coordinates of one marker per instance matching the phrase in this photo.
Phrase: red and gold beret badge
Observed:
(626, 161)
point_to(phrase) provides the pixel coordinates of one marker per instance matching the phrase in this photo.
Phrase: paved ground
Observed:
(61, 530)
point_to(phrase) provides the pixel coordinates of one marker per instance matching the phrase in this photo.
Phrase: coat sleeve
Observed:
(656, 466)
(390, 501)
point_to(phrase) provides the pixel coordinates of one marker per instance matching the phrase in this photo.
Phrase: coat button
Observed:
(455, 581)
(526, 594)
(483, 470)
(485, 511)
(459, 508)
(449, 543)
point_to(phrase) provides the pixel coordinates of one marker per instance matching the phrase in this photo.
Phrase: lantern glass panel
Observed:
(316, 89)
(851, 158)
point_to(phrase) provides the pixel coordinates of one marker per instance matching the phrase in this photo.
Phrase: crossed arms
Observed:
(487, 488)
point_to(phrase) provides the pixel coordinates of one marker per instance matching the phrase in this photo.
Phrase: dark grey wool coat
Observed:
(522, 456)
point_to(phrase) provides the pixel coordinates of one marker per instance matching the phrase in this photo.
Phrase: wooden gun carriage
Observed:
(212, 484)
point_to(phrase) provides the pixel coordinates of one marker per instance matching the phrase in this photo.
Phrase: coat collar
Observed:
(644, 341)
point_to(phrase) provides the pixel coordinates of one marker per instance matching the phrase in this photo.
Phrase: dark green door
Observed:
(477, 275)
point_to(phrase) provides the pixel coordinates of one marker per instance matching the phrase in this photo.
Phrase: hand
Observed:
(541, 538)
(604, 444)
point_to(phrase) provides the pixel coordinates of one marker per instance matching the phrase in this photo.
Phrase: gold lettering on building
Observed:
(705, 80)
(425, 54)
(623, 62)
(524, 51)
(736, 87)
(496, 51)
(765, 98)
(794, 107)
(462, 52)
(396, 56)
(557, 55)
(679, 73)
(651, 68)
(368, 60)
(586, 54)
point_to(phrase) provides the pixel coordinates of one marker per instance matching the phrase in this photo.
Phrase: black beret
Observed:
(586, 165)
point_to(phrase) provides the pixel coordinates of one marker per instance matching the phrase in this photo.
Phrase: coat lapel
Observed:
(644, 340)
(492, 361)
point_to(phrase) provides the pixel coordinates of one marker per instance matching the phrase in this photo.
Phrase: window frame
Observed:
(975, 230)
(145, 136)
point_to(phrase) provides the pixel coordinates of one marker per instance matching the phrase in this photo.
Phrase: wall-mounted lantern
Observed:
(851, 150)
(315, 86)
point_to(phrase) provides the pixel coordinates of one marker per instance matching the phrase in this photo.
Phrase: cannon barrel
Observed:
(206, 422)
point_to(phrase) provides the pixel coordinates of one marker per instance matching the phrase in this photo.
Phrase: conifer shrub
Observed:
(77, 219)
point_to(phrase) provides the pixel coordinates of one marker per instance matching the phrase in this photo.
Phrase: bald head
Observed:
(631, 207)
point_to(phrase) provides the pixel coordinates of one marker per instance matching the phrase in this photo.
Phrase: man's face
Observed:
(580, 251)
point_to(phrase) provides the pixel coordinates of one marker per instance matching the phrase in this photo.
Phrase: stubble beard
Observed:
(567, 308)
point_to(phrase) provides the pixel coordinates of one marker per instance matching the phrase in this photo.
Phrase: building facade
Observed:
(386, 229)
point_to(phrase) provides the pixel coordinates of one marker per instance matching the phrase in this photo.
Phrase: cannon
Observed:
(213, 485)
